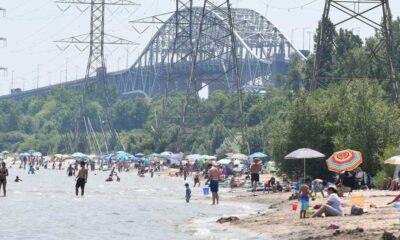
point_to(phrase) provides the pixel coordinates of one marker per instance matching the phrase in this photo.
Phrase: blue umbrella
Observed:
(146, 162)
(175, 156)
(154, 155)
(258, 155)
(79, 155)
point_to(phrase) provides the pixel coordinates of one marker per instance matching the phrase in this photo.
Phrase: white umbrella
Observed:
(224, 161)
(304, 153)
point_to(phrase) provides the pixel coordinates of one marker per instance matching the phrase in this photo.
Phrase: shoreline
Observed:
(278, 221)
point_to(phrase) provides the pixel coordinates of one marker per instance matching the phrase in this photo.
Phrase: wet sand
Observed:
(280, 222)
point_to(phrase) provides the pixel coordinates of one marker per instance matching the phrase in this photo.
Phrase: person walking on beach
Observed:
(255, 174)
(213, 179)
(81, 179)
(70, 171)
(3, 177)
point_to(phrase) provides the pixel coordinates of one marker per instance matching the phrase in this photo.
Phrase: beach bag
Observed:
(356, 210)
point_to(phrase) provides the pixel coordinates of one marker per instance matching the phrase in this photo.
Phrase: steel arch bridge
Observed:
(261, 49)
(262, 52)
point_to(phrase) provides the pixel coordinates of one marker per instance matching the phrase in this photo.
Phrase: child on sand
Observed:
(304, 197)
(188, 192)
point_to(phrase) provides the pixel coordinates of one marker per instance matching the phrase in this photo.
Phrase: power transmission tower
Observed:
(360, 10)
(96, 39)
(4, 40)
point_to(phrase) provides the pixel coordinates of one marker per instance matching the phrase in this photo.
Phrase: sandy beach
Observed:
(278, 221)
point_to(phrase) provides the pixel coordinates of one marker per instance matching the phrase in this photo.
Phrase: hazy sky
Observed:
(32, 26)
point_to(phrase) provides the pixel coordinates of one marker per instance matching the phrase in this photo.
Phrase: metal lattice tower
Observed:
(97, 38)
(4, 40)
(360, 12)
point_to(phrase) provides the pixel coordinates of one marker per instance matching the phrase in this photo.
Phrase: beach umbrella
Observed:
(175, 156)
(37, 154)
(193, 157)
(58, 155)
(395, 160)
(304, 153)
(207, 157)
(78, 155)
(258, 155)
(155, 155)
(239, 156)
(122, 157)
(224, 161)
(165, 154)
(345, 160)
(31, 151)
(5, 152)
(139, 155)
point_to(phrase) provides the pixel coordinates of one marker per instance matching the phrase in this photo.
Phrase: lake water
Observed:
(44, 206)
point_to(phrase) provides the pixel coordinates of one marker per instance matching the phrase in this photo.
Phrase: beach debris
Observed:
(388, 236)
(227, 219)
(356, 210)
(333, 226)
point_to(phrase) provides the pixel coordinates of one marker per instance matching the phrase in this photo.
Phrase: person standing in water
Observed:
(213, 179)
(188, 192)
(70, 171)
(3, 177)
(81, 179)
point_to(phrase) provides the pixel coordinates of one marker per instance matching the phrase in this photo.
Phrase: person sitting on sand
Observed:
(17, 179)
(270, 185)
(333, 205)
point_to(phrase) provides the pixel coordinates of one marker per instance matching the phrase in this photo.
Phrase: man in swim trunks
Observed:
(255, 174)
(70, 171)
(81, 179)
(3, 177)
(213, 178)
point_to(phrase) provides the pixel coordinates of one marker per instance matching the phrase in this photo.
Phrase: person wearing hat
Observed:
(333, 206)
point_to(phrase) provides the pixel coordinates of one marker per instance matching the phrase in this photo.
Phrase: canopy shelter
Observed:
(304, 154)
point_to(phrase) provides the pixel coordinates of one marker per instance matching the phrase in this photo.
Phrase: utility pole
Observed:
(362, 11)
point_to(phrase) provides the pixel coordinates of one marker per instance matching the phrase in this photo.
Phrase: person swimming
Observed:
(17, 179)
